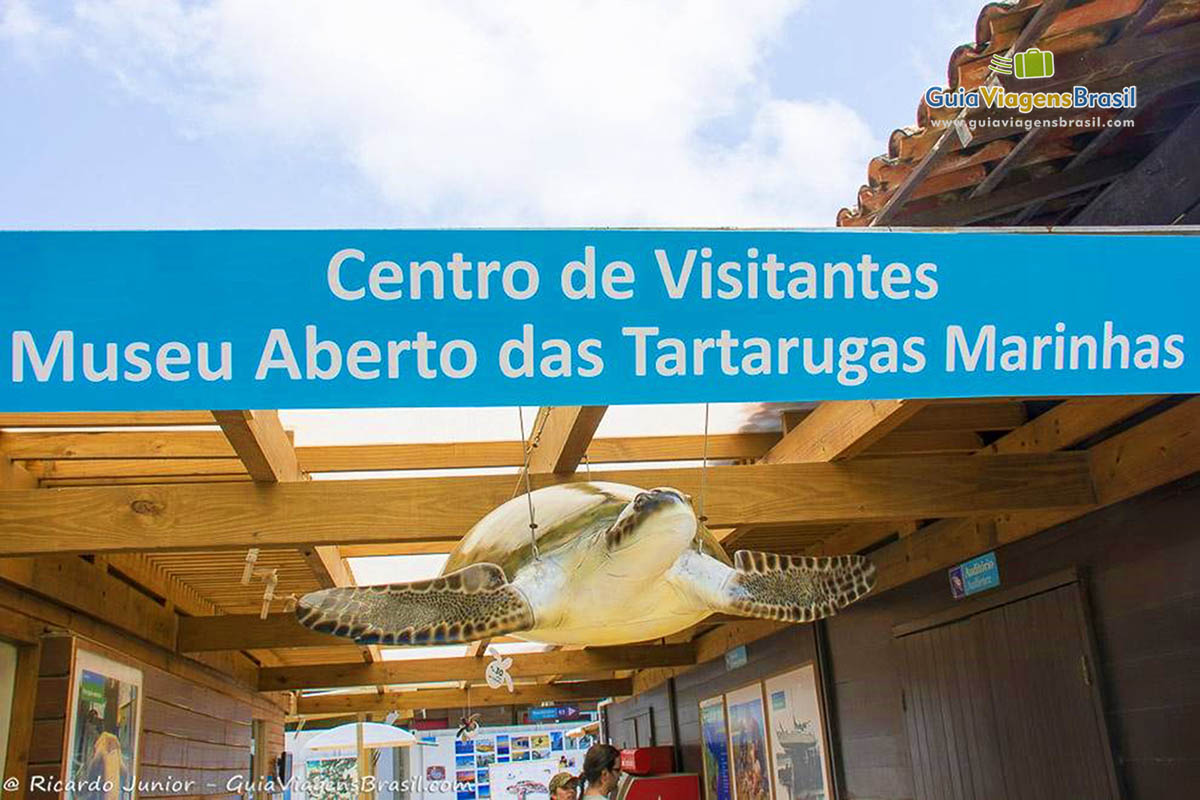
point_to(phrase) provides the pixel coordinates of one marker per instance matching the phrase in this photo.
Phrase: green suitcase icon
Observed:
(1034, 63)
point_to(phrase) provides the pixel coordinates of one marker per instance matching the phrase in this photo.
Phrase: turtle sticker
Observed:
(497, 673)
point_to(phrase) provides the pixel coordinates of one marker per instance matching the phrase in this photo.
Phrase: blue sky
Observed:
(159, 114)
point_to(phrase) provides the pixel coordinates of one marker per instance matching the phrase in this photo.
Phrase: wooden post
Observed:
(364, 760)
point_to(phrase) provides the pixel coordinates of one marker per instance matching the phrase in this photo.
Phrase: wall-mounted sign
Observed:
(735, 658)
(973, 576)
(325, 319)
(553, 713)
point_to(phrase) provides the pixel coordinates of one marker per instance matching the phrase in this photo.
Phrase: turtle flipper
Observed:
(795, 588)
(770, 586)
(475, 602)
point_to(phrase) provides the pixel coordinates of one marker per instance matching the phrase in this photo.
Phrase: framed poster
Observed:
(714, 741)
(799, 739)
(749, 760)
(102, 741)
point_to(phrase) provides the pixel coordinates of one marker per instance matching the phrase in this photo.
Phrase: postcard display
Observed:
(500, 762)
(767, 740)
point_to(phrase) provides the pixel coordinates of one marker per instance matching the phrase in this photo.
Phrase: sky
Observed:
(221, 114)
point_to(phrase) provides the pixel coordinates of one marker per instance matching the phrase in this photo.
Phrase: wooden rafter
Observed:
(266, 452)
(832, 432)
(231, 516)
(529, 665)
(476, 697)
(839, 430)
(1153, 453)
(565, 435)
(201, 634)
(1067, 424)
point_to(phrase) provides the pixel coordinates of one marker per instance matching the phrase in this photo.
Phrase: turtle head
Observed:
(653, 529)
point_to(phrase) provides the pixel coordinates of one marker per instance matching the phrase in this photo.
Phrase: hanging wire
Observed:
(700, 516)
(528, 484)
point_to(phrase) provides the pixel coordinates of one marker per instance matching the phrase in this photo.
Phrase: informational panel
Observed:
(263, 319)
(529, 780)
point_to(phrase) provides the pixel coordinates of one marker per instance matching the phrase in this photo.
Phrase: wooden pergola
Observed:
(145, 525)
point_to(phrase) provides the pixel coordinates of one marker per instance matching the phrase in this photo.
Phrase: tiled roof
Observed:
(1103, 44)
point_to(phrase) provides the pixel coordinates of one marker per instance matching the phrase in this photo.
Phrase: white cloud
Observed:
(572, 112)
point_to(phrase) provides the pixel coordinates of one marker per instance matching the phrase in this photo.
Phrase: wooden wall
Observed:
(1141, 564)
(191, 731)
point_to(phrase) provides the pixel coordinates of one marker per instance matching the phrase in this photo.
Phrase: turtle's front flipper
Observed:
(770, 586)
(476, 602)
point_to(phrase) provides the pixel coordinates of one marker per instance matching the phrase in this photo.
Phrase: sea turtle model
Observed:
(613, 564)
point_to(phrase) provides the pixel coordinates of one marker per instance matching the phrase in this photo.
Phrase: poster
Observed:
(332, 778)
(102, 743)
(799, 745)
(749, 761)
(528, 780)
(714, 735)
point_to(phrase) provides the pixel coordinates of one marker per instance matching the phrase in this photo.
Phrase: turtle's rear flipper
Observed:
(794, 588)
(476, 602)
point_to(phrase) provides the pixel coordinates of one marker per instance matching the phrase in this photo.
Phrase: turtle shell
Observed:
(565, 514)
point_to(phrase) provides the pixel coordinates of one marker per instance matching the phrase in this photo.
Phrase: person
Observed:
(601, 770)
(564, 786)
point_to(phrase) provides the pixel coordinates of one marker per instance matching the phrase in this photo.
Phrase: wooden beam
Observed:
(232, 515)
(266, 451)
(1160, 450)
(258, 439)
(476, 697)
(149, 443)
(1067, 424)
(1070, 422)
(841, 429)
(1156, 452)
(527, 665)
(69, 469)
(136, 453)
(216, 632)
(564, 433)
(104, 419)
(88, 588)
(1015, 157)
(248, 632)
(475, 455)
(14, 476)
(1014, 198)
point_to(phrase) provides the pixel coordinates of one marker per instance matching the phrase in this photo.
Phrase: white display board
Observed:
(528, 780)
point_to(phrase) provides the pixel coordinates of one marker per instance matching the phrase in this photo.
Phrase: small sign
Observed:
(973, 576)
(544, 713)
(735, 658)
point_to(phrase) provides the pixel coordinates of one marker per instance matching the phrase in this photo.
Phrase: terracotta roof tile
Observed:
(1084, 30)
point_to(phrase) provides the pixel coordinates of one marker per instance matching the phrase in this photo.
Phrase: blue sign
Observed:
(263, 319)
(544, 713)
(735, 658)
(973, 576)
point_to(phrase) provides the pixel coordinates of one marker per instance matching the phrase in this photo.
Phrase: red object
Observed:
(648, 760)
(431, 724)
(660, 787)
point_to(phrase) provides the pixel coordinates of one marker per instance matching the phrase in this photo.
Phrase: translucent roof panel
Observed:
(373, 570)
(315, 427)
(426, 425)
(417, 653)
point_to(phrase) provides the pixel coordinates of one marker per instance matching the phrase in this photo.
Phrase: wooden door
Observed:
(1001, 704)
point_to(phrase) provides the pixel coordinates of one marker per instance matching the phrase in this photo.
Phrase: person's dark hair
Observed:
(599, 758)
